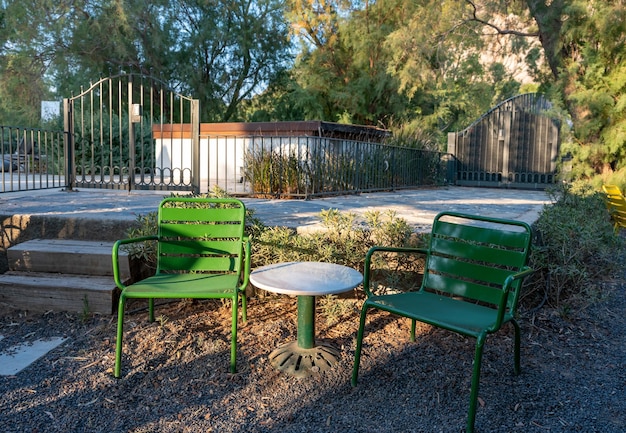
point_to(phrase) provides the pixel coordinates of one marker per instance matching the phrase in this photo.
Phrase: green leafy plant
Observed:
(275, 174)
(86, 313)
(343, 240)
(334, 308)
(574, 251)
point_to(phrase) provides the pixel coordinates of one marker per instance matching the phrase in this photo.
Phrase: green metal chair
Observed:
(474, 268)
(202, 253)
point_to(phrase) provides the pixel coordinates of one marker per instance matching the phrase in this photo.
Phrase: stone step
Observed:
(65, 256)
(40, 291)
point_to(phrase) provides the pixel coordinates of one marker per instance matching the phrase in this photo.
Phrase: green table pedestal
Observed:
(303, 357)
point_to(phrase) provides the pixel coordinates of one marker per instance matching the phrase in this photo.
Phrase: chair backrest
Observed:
(471, 256)
(616, 204)
(202, 235)
(612, 190)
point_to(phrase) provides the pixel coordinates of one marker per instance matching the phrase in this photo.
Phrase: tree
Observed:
(220, 51)
(25, 57)
(378, 63)
(583, 46)
(229, 50)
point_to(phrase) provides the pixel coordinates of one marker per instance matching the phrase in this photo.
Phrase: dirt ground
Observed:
(175, 373)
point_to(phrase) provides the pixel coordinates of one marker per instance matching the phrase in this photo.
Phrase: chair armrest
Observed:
(375, 249)
(506, 288)
(115, 255)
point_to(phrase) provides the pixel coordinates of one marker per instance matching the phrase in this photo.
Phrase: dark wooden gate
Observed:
(516, 144)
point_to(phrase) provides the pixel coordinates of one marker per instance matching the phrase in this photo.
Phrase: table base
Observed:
(299, 362)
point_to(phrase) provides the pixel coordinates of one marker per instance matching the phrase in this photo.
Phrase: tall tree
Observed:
(583, 46)
(26, 53)
(342, 65)
(228, 50)
(378, 62)
(220, 51)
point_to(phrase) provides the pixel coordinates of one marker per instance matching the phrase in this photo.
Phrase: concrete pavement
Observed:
(417, 206)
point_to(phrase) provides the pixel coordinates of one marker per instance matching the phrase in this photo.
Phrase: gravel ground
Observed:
(175, 373)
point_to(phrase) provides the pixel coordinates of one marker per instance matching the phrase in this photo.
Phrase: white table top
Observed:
(306, 278)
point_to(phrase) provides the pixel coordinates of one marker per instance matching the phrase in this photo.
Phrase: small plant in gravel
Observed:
(334, 309)
(575, 249)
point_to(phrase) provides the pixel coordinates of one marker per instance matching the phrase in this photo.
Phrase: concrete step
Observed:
(39, 291)
(65, 256)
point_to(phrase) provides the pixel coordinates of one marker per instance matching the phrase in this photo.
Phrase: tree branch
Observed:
(494, 27)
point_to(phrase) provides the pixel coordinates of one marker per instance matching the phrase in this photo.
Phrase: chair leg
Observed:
(478, 355)
(120, 332)
(233, 337)
(359, 343)
(151, 310)
(517, 367)
(413, 329)
(244, 307)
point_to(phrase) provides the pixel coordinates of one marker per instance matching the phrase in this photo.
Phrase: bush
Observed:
(574, 250)
(343, 241)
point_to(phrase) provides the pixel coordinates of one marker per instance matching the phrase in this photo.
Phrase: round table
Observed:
(306, 280)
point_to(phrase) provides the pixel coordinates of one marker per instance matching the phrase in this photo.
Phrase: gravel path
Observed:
(175, 375)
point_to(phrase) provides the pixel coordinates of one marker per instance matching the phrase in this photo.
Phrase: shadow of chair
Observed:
(474, 268)
(202, 253)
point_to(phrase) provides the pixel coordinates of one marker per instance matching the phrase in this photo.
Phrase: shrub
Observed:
(343, 241)
(574, 249)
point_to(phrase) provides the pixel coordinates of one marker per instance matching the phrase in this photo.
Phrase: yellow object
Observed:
(616, 204)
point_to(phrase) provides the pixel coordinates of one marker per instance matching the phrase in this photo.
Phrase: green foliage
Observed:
(574, 251)
(342, 241)
(590, 61)
(416, 134)
(274, 173)
(221, 52)
(145, 252)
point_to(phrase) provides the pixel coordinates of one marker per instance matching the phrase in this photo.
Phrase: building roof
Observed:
(294, 128)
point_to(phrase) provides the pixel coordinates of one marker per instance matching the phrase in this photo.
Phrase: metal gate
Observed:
(110, 136)
(516, 144)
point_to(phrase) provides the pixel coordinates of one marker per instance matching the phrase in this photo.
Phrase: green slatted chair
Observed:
(202, 253)
(474, 268)
(616, 204)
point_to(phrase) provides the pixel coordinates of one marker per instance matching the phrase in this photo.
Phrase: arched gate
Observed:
(110, 136)
(516, 144)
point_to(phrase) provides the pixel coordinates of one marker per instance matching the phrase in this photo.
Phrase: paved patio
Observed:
(417, 206)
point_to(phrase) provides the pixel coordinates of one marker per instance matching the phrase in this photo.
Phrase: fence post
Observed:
(195, 143)
(131, 136)
(68, 144)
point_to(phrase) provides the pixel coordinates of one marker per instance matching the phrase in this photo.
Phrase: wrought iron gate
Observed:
(110, 141)
(516, 144)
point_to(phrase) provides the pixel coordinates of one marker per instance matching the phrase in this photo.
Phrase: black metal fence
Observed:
(31, 159)
(131, 131)
(317, 166)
